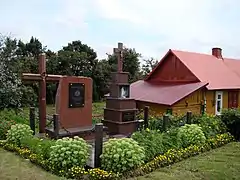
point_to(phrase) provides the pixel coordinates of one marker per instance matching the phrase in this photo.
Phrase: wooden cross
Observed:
(119, 53)
(42, 78)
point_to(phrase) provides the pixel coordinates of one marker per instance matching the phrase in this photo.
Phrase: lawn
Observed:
(222, 163)
(97, 109)
(13, 167)
(219, 164)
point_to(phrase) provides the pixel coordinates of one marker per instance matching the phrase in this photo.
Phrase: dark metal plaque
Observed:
(128, 116)
(76, 95)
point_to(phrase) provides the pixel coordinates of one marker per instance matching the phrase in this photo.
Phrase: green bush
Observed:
(41, 147)
(170, 140)
(151, 140)
(211, 125)
(11, 115)
(68, 152)
(191, 135)
(4, 127)
(18, 132)
(231, 117)
(120, 155)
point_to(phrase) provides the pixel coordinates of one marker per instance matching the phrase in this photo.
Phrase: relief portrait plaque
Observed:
(124, 91)
(76, 95)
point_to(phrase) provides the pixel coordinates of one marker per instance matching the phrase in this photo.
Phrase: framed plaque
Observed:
(76, 95)
(124, 91)
(128, 116)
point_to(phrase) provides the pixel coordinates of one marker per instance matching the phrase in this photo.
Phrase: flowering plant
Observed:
(191, 135)
(120, 155)
(68, 152)
(18, 132)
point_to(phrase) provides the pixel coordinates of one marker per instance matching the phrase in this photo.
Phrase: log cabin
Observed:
(188, 81)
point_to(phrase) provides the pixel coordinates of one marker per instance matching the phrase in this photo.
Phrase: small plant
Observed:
(120, 155)
(69, 152)
(231, 117)
(41, 147)
(4, 127)
(151, 140)
(170, 140)
(191, 135)
(211, 125)
(18, 132)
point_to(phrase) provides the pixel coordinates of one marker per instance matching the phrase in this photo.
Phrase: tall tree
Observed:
(131, 63)
(149, 65)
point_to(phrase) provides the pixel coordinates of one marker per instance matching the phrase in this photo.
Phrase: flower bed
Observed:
(168, 158)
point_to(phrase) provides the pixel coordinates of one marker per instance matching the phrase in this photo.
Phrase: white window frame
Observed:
(218, 100)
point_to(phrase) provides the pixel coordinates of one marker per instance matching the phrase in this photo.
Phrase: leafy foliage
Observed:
(211, 125)
(5, 125)
(191, 135)
(231, 117)
(69, 152)
(120, 155)
(151, 140)
(41, 147)
(18, 132)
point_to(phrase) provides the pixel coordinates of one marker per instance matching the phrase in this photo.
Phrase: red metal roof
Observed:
(162, 93)
(219, 73)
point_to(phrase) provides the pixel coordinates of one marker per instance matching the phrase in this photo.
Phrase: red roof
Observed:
(162, 94)
(219, 73)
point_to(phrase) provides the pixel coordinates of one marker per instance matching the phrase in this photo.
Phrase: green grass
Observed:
(13, 167)
(97, 109)
(220, 164)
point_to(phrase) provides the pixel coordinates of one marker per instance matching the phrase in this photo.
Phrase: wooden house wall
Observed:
(174, 71)
(194, 101)
(157, 109)
(210, 97)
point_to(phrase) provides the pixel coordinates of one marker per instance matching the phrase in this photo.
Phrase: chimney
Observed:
(217, 52)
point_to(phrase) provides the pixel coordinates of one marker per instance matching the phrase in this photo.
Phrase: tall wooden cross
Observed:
(42, 78)
(119, 53)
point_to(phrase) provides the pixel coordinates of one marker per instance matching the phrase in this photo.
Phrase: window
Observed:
(219, 102)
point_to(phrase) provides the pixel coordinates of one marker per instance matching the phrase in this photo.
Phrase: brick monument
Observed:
(120, 111)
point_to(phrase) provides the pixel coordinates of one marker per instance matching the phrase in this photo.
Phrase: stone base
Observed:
(87, 133)
(124, 128)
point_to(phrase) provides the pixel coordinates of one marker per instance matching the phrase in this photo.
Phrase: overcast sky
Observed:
(150, 26)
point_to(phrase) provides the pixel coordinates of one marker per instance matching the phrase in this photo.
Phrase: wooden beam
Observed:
(37, 77)
(31, 77)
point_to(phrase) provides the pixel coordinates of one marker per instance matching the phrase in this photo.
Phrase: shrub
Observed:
(18, 132)
(231, 117)
(11, 115)
(151, 140)
(120, 155)
(69, 152)
(191, 135)
(41, 147)
(4, 127)
(170, 139)
(211, 125)
(173, 155)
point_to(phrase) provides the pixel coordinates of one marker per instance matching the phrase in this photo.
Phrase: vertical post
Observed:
(56, 125)
(32, 119)
(146, 113)
(98, 144)
(189, 117)
(165, 122)
(42, 93)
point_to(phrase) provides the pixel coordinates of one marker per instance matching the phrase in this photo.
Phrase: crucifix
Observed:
(119, 53)
(42, 78)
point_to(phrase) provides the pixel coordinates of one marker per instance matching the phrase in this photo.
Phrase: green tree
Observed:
(131, 63)
(149, 65)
